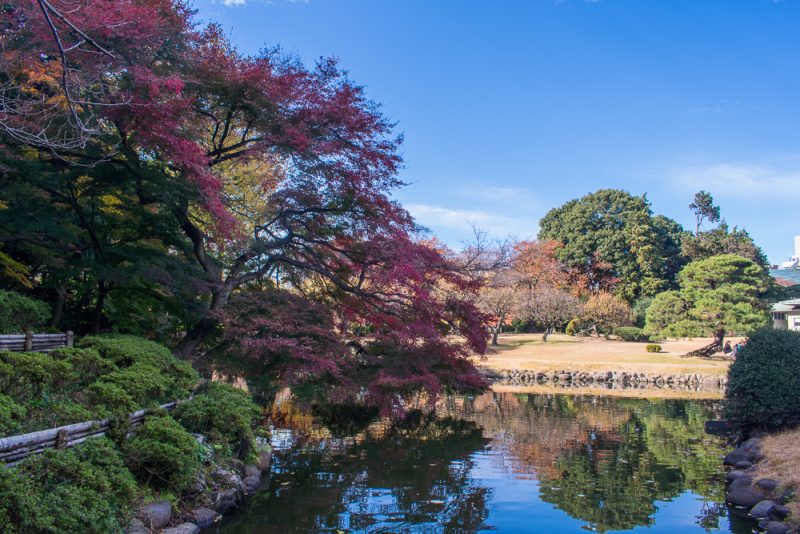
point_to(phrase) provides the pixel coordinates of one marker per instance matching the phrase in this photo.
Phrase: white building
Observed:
(794, 263)
(786, 315)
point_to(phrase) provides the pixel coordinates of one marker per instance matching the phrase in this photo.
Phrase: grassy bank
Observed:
(528, 351)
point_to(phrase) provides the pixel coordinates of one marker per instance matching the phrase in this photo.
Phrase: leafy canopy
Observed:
(720, 294)
(616, 241)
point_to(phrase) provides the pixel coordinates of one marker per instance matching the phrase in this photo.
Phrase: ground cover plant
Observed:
(96, 486)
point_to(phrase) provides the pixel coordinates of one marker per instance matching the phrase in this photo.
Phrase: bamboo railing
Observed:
(16, 448)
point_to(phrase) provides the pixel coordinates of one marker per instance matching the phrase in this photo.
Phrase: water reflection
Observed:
(501, 461)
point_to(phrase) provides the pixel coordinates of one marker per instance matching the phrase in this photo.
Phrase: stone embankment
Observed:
(613, 379)
(761, 500)
(222, 492)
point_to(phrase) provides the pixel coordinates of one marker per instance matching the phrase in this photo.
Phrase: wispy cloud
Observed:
(746, 180)
(456, 221)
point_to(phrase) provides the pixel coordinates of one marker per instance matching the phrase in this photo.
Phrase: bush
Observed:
(111, 399)
(87, 363)
(631, 333)
(764, 380)
(570, 330)
(11, 414)
(162, 454)
(223, 413)
(148, 371)
(19, 313)
(653, 348)
(27, 375)
(82, 489)
(51, 411)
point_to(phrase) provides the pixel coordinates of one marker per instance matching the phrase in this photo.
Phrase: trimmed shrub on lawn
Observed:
(764, 381)
(630, 333)
(653, 348)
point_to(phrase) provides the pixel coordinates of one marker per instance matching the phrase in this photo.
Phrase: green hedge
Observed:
(653, 348)
(764, 381)
(631, 333)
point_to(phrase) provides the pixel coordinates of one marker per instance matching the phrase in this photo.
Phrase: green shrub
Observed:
(110, 399)
(570, 329)
(137, 358)
(653, 348)
(162, 454)
(27, 375)
(11, 415)
(125, 351)
(764, 381)
(87, 363)
(145, 384)
(51, 411)
(223, 413)
(630, 333)
(82, 489)
(19, 313)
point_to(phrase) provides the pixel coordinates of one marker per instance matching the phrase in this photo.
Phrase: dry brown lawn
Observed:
(782, 462)
(561, 352)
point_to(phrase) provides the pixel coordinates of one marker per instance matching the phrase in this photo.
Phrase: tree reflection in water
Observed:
(607, 462)
(393, 476)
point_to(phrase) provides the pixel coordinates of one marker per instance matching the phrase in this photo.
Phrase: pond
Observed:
(501, 462)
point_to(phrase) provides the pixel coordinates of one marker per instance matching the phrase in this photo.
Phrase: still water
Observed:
(499, 462)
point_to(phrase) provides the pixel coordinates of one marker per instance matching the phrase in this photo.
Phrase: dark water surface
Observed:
(501, 462)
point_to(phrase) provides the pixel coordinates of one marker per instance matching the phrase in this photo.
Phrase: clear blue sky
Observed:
(512, 108)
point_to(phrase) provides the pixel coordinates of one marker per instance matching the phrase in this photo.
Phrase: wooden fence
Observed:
(16, 448)
(29, 341)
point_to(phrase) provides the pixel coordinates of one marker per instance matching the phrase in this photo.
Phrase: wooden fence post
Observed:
(28, 341)
(62, 438)
(70, 338)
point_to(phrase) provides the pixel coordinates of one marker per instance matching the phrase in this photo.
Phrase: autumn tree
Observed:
(499, 298)
(613, 234)
(605, 312)
(551, 308)
(157, 134)
(717, 295)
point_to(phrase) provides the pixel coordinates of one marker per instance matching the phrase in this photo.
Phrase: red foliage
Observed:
(168, 104)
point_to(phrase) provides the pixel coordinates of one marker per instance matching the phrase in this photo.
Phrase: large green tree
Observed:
(723, 240)
(717, 295)
(613, 227)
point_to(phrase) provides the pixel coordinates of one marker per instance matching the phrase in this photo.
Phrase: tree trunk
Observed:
(58, 309)
(498, 327)
(195, 336)
(712, 348)
(546, 333)
(97, 319)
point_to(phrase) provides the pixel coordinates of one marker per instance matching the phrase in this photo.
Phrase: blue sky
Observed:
(512, 108)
